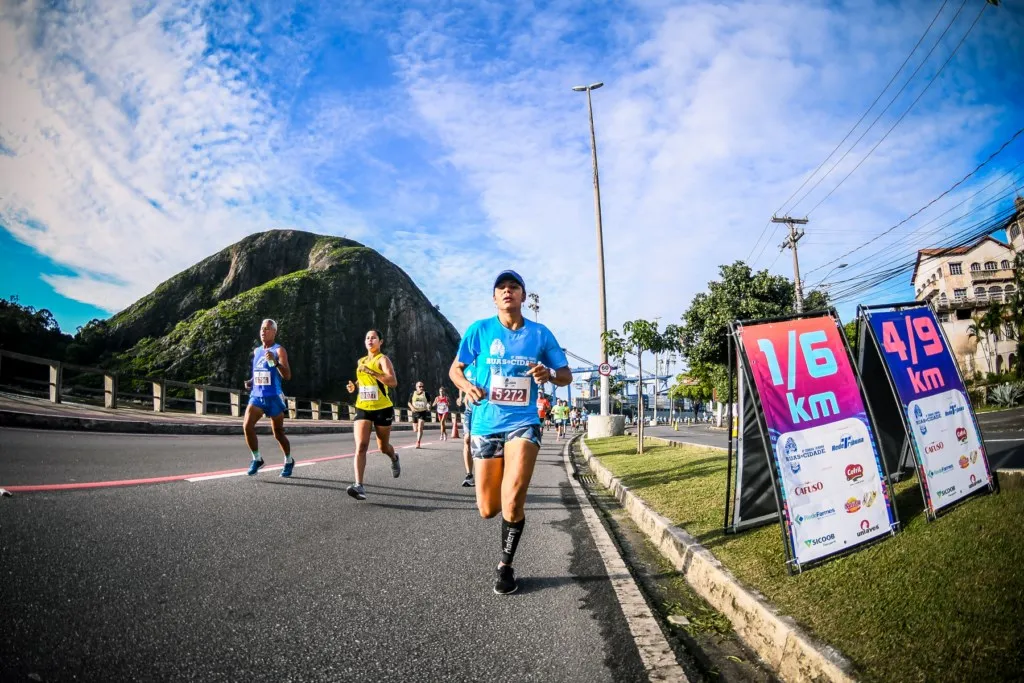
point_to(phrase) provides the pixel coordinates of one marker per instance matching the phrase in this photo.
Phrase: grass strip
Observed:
(940, 601)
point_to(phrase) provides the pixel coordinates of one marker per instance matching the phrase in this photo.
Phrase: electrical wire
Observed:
(926, 206)
(877, 98)
(904, 114)
(852, 129)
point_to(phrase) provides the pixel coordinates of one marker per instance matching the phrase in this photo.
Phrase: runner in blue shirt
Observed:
(266, 397)
(513, 357)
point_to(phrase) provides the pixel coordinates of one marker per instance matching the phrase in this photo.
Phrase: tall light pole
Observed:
(534, 304)
(605, 385)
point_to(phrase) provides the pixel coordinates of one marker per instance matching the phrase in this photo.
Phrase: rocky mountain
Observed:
(324, 292)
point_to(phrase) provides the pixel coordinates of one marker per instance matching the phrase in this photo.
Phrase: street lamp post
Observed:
(605, 385)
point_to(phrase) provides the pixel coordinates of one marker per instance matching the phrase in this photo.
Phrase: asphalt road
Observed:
(262, 578)
(1002, 431)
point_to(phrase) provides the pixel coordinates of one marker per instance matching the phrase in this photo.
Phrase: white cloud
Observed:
(138, 148)
(706, 124)
(143, 141)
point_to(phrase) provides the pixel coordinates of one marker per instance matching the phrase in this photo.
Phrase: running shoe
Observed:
(287, 470)
(396, 467)
(505, 580)
(468, 481)
(356, 491)
(255, 466)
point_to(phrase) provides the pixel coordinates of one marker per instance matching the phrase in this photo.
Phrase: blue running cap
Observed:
(509, 275)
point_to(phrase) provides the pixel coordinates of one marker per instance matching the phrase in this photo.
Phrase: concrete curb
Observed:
(790, 653)
(10, 418)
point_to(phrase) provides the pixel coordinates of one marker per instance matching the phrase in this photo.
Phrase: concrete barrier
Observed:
(783, 646)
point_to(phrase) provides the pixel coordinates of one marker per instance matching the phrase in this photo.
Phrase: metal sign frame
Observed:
(863, 312)
(792, 565)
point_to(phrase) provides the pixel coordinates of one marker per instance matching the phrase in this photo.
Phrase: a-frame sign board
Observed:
(928, 422)
(805, 440)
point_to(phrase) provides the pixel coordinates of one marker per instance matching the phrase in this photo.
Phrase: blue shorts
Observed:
(493, 445)
(467, 419)
(272, 406)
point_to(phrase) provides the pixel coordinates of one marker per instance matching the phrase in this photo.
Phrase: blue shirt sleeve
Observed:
(551, 353)
(469, 347)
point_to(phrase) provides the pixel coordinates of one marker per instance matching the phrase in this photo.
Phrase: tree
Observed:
(979, 330)
(740, 294)
(1015, 304)
(640, 336)
(852, 329)
(25, 329)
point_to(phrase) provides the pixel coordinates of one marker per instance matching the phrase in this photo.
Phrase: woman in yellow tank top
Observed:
(375, 377)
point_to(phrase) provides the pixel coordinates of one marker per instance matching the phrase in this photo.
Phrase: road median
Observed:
(939, 601)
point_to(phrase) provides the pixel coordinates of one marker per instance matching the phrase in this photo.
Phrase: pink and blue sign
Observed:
(951, 457)
(833, 491)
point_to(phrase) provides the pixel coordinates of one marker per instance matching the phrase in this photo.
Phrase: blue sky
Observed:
(138, 138)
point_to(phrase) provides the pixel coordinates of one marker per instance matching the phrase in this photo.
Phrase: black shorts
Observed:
(421, 415)
(380, 418)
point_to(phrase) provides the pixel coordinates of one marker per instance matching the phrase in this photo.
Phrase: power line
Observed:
(872, 105)
(886, 251)
(926, 206)
(920, 40)
(904, 114)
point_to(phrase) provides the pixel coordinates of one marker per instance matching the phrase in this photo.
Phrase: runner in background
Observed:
(375, 377)
(543, 410)
(443, 410)
(269, 367)
(466, 403)
(419, 408)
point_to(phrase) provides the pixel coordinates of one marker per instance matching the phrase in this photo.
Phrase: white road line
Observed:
(1003, 440)
(216, 476)
(657, 656)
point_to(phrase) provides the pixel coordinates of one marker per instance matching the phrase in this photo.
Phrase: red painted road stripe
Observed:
(36, 488)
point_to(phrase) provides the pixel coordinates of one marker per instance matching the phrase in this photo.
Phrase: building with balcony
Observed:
(961, 283)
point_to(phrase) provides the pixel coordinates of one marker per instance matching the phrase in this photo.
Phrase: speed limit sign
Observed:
(605, 369)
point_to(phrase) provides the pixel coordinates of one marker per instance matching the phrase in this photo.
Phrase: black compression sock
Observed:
(510, 534)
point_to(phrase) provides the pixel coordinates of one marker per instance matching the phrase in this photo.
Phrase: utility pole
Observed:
(795, 234)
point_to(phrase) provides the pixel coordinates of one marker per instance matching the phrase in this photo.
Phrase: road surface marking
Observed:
(657, 656)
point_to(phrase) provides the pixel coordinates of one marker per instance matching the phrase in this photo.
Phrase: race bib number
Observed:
(510, 391)
(419, 405)
(442, 408)
(261, 378)
(368, 393)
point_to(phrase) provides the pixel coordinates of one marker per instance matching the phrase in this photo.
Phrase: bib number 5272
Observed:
(510, 391)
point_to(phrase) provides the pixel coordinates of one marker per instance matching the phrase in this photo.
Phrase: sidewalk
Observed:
(37, 413)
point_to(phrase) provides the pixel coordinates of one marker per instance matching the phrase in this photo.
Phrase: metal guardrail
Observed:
(317, 409)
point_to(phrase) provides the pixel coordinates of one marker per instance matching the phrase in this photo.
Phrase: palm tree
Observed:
(979, 330)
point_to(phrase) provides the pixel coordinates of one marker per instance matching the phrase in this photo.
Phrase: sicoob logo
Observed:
(854, 472)
(821, 540)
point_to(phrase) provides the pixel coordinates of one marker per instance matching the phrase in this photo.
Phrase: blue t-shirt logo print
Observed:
(504, 356)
